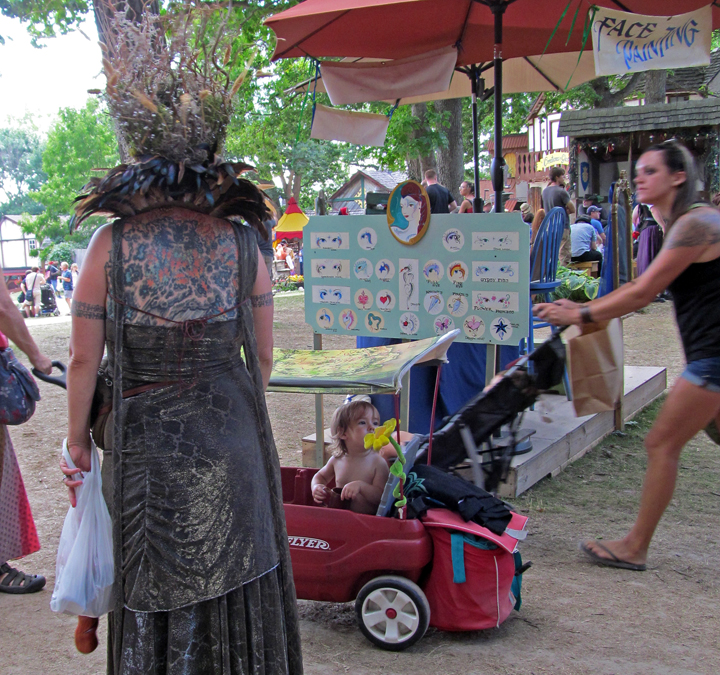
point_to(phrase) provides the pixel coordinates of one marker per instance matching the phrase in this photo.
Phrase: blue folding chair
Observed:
(543, 271)
(546, 252)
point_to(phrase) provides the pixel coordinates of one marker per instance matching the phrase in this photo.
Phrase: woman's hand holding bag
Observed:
(85, 571)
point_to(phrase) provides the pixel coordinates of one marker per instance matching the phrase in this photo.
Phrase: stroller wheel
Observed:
(56, 312)
(393, 612)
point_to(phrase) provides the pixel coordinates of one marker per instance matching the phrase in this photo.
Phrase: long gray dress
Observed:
(203, 577)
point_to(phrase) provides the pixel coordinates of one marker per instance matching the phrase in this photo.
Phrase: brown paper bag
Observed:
(594, 362)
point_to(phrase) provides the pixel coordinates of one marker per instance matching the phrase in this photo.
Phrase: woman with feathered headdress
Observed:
(173, 288)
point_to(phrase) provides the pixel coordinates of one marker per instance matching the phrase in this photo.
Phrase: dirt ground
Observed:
(576, 618)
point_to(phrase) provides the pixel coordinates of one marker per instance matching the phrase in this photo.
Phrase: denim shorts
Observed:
(704, 373)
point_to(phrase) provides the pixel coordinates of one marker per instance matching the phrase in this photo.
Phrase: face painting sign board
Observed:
(469, 271)
(629, 43)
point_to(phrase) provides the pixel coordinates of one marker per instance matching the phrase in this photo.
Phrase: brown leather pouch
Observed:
(101, 407)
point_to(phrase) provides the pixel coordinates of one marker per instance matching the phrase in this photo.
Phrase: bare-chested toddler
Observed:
(360, 473)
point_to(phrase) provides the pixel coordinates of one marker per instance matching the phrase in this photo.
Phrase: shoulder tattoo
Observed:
(261, 300)
(84, 310)
(694, 231)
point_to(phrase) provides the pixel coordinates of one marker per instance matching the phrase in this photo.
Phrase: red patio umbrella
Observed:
(485, 31)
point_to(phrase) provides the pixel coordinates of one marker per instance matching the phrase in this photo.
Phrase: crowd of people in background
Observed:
(57, 279)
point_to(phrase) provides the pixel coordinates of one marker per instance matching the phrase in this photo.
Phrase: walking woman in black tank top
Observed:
(689, 265)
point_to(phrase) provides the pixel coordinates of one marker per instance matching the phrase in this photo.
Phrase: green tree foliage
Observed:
(21, 169)
(78, 142)
(62, 252)
(46, 18)
(271, 128)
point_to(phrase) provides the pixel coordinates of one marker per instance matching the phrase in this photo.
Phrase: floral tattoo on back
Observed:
(179, 267)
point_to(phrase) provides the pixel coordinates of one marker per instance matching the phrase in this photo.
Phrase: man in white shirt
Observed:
(33, 293)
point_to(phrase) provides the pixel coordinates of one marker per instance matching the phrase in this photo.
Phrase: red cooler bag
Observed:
(473, 570)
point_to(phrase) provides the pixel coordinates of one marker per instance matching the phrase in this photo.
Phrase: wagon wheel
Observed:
(393, 613)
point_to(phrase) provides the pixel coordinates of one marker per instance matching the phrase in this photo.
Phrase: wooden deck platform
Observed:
(566, 438)
(562, 440)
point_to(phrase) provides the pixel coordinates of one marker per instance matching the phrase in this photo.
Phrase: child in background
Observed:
(360, 473)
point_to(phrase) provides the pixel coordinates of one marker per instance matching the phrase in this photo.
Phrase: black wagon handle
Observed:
(59, 380)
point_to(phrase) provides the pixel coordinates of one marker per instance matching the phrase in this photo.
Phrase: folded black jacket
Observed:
(427, 486)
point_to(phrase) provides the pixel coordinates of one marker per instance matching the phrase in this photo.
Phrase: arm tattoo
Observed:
(694, 232)
(84, 310)
(261, 300)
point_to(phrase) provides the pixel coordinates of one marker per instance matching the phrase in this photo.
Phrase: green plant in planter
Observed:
(576, 285)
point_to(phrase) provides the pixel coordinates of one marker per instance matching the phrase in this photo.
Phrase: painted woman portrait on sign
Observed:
(409, 212)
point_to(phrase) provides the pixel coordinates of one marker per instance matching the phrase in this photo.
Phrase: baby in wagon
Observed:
(360, 472)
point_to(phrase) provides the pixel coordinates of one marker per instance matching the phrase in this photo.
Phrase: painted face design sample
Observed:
(331, 295)
(501, 329)
(363, 298)
(443, 324)
(385, 301)
(385, 270)
(375, 322)
(348, 319)
(330, 240)
(433, 271)
(433, 303)
(363, 269)
(457, 272)
(457, 305)
(495, 241)
(496, 301)
(409, 323)
(367, 238)
(325, 318)
(453, 240)
(325, 268)
(474, 326)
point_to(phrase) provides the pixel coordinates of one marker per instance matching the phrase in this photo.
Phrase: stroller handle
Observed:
(59, 380)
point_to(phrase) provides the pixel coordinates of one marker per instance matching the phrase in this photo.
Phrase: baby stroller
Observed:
(48, 305)
(474, 433)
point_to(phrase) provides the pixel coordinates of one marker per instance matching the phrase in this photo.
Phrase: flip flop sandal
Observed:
(18, 582)
(612, 561)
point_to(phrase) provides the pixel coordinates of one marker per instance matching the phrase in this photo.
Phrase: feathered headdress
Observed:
(170, 91)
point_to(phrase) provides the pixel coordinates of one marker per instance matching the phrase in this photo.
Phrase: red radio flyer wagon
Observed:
(407, 574)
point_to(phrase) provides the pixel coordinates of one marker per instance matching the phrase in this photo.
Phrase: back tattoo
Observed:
(179, 266)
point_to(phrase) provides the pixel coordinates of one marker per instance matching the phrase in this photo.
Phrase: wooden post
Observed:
(405, 403)
(319, 415)
(491, 362)
(621, 200)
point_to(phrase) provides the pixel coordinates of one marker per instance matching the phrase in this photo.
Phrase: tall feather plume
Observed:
(170, 92)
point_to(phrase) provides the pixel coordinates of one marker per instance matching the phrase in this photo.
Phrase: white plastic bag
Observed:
(84, 569)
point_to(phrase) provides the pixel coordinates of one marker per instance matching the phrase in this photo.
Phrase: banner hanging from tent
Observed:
(629, 43)
(360, 128)
(391, 79)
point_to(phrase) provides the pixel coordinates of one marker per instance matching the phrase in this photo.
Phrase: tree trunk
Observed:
(608, 98)
(655, 81)
(423, 158)
(450, 156)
